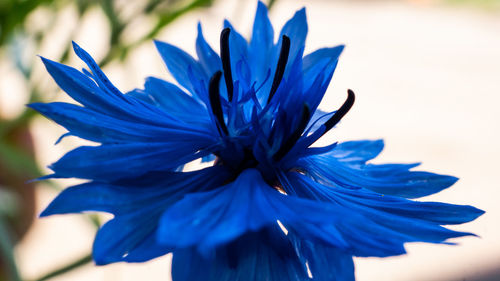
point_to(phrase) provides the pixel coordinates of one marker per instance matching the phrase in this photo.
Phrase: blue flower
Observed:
(270, 206)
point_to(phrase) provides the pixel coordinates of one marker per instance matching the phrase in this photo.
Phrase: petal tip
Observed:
(158, 44)
(76, 47)
(261, 5)
(45, 213)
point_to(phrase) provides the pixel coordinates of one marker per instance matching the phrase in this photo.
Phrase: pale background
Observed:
(427, 79)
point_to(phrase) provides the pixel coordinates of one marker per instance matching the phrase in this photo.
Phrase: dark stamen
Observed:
(295, 136)
(341, 112)
(214, 97)
(280, 67)
(226, 61)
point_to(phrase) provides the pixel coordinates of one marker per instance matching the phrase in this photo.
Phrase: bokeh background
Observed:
(426, 74)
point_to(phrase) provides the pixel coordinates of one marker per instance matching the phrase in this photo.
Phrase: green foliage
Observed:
(484, 4)
(13, 13)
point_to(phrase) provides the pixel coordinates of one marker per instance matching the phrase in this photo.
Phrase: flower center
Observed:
(261, 142)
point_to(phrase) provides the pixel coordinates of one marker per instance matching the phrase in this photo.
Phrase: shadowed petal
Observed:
(121, 235)
(325, 263)
(264, 255)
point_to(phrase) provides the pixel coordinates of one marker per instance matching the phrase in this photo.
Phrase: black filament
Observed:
(214, 97)
(341, 112)
(226, 61)
(280, 67)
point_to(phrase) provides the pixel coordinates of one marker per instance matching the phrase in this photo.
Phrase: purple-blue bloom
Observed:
(272, 205)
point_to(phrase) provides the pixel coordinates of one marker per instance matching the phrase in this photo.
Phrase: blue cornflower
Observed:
(271, 206)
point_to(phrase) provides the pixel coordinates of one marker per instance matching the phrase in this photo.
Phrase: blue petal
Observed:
(325, 263)
(104, 197)
(328, 54)
(261, 45)
(296, 30)
(289, 95)
(263, 33)
(238, 47)
(436, 212)
(386, 220)
(120, 236)
(117, 161)
(390, 179)
(209, 59)
(207, 220)
(143, 251)
(85, 91)
(98, 75)
(208, 158)
(141, 95)
(181, 64)
(129, 195)
(131, 235)
(318, 68)
(218, 216)
(317, 120)
(176, 102)
(80, 87)
(359, 151)
(99, 127)
(265, 255)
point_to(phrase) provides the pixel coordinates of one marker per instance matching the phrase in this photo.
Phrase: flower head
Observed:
(271, 206)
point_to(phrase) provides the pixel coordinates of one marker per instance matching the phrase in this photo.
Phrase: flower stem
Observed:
(77, 263)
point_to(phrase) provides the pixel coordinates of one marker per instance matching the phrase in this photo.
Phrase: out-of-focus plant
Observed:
(19, 43)
(485, 4)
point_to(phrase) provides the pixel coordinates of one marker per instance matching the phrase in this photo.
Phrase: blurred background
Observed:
(426, 74)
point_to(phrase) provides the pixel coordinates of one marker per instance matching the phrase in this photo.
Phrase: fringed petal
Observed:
(385, 220)
(346, 167)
